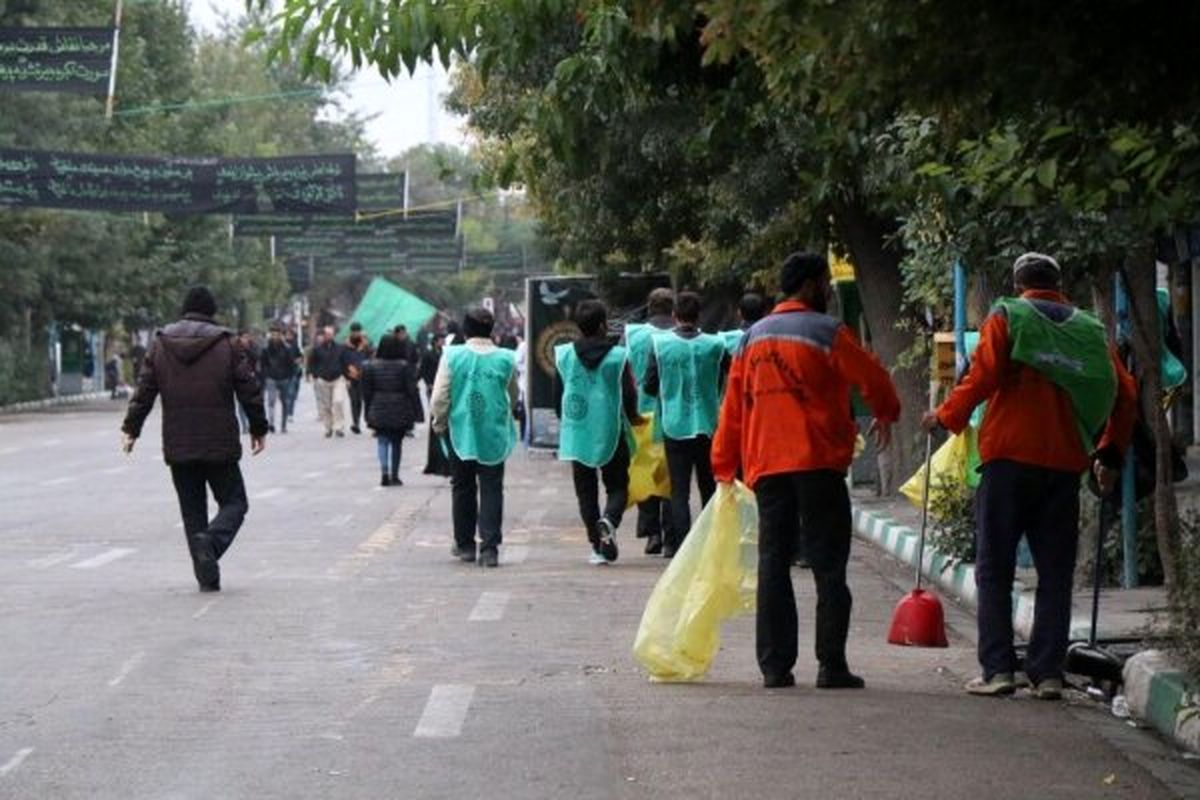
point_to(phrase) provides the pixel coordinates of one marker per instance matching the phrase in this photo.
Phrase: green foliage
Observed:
(952, 521)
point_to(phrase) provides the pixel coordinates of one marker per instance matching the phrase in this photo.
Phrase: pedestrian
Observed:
(654, 513)
(249, 343)
(751, 308)
(278, 368)
(327, 366)
(685, 373)
(436, 462)
(393, 404)
(112, 375)
(293, 346)
(596, 400)
(473, 398)
(358, 351)
(786, 426)
(1052, 384)
(411, 354)
(201, 371)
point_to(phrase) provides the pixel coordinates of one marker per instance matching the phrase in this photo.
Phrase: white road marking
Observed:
(205, 609)
(515, 554)
(51, 560)
(308, 476)
(340, 521)
(107, 557)
(15, 761)
(266, 494)
(490, 607)
(445, 711)
(341, 465)
(126, 668)
(60, 481)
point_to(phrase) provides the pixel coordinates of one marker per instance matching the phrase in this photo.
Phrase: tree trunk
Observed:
(877, 272)
(1141, 279)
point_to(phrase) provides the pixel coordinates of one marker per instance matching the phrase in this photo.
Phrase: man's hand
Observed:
(882, 431)
(930, 422)
(1106, 478)
(127, 443)
(257, 444)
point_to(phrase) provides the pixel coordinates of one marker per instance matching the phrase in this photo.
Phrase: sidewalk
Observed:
(60, 400)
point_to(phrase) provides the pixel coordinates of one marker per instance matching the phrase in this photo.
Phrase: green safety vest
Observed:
(689, 374)
(639, 340)
(1174, 373)
(481, 420)
(732, 339)
(592, 416)
(1072, 354)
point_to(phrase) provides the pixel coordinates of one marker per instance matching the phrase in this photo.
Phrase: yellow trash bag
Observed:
(949, 467)
(713, 577)
(648, 476)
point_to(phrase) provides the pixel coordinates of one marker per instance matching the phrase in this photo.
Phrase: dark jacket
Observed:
(591, 352)
(197, 367)
(389, 388)
(278, 361)
(329, 361)
(429, 366)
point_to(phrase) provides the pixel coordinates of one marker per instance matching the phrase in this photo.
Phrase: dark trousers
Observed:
(615, 475)
(685, 456)
(293, 393)
(813, 507)
(354, 389)
(1043, 504)
(654, 518)
(477, 497)
(192, 482)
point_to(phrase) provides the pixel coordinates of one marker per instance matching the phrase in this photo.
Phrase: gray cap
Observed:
(1029, 259)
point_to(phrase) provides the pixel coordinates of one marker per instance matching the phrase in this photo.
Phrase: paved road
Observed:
(349, 657)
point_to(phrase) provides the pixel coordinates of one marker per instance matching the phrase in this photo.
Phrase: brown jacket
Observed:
(198, 368)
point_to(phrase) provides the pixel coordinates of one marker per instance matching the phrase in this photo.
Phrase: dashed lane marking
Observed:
(60, 481)
(107, 557)
(129, 666)
(204, 609)
(445, 711)
(16, 761)
(267, 494)
(515, 554)
(340, 521)
(308, 476)
(52, 560)
(490, 607)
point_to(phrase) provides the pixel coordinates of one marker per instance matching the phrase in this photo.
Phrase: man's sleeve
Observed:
(864, 370)
(248, 389)
(143, 397)
(629, 397)
(439, 400)
(1119, 431)
(727, 440)
(650, 380)
(514, 389)
(983, 378)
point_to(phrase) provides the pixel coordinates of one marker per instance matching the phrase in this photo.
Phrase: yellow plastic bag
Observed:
(713, 577)
(648, 476)
(949, 467)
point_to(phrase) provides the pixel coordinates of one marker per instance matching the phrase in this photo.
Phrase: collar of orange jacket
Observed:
(790, 305)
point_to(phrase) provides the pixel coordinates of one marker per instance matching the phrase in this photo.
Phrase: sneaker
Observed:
(597, 560)
(654, 545)
(396, 481)
(1002, 683)
(784, 681)
(489, 558)
(838, 679)
(608, 539)
(465, 554)
(1049, 689)
(204, 563)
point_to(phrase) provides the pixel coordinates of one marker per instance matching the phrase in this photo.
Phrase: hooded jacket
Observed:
(591, 352)
(198, 369)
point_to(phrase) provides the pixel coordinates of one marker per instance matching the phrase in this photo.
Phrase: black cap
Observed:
(200, 300)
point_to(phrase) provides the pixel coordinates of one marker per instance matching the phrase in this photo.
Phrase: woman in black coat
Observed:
(393, 406)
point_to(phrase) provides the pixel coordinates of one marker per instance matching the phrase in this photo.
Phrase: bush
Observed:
(22, 375)
(952, 521)
(1149, 566)
(1185, 597)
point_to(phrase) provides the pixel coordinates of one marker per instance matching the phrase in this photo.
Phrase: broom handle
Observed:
(925, 505)
(1096, 570)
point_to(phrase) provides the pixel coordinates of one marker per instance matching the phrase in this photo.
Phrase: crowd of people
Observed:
(766, 402)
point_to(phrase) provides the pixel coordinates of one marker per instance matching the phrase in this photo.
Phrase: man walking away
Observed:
(786, 424)
(473, 398)
(751, 309)
(297, 375)
(278, 369)
(685, 372)
(1052, 384)
(358, 351)
(596, 398)
(199, 369)
(248, 342)
(654, 514)
(327, 365)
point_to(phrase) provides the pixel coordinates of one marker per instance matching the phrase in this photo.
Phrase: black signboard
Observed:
(176, 185)
(383, 191)
(432, 224)
(551, 303)
(55, 59)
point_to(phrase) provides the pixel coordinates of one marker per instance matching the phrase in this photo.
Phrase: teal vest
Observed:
(592, 417)
(732, 339)
(1174, 373)
(689, 374)
(481, 420)
(1072, 354)
(639, 339)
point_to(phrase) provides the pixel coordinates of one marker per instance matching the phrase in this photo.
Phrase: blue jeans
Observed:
(388, 447)
(281, 390)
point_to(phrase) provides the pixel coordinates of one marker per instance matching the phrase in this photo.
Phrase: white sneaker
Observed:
(597, 560)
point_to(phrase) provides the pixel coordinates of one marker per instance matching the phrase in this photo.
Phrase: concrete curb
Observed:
(50, 402)
(1160, 694)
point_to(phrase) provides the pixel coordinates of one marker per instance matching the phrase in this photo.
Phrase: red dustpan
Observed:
(919, 620)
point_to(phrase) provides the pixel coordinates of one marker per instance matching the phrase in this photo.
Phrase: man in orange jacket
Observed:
(1040, 364)
(786, 424)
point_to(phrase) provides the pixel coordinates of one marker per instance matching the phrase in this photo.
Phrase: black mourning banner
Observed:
(292, 184)
(429, 224)
(55, 59)
(383, 191)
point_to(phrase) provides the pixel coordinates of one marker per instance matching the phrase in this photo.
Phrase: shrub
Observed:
(952, 521)
(22, 375)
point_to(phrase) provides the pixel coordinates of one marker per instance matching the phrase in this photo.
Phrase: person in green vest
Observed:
(474, 397)
(685, 374)
(1059, 403)
(654, 515)
(751, 308)
(596, 402)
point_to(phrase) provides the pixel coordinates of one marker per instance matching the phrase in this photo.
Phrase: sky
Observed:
(401, 108)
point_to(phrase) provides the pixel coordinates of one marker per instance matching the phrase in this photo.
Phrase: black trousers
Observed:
(192, 482)
(354, 389)
(654, 518)
(477, 497)
(813, 507)
(615, 475)
(1043, 504)
(685, 457)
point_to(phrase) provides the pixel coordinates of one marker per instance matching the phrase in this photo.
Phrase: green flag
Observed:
(386, 305)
